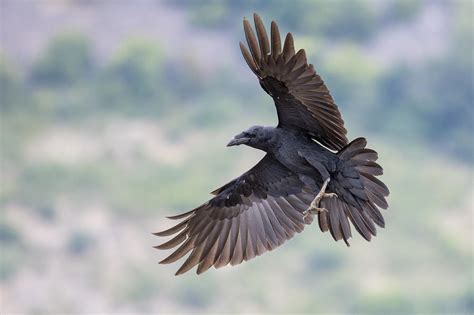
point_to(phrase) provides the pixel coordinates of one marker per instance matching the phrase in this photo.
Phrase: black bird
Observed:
(310, 168)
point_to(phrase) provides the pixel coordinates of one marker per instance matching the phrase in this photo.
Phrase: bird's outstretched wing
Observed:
(302, 99)
(250, 215)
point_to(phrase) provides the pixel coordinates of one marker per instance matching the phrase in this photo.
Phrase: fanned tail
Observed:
(360, 194)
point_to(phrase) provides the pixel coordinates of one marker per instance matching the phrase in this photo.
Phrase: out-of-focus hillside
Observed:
(115, 114)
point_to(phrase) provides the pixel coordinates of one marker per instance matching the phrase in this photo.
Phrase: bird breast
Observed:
(287, 155)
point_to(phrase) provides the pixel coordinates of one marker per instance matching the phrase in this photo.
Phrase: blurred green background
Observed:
(115, 114)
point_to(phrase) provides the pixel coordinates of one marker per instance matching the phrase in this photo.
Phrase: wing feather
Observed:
(302, 99)
(276, 41)
(252, 41)
(262, 36)
(288, 47)
(249, 216)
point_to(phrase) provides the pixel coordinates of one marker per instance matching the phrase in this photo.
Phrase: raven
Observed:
(309, 169)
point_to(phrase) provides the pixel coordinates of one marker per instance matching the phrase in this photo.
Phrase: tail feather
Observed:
(374, 185)
(365, 154)
(323, 221)
(373, 212)
(350, 149)
(369, 167)
(335, 221)
(356, 219)
(360, 194)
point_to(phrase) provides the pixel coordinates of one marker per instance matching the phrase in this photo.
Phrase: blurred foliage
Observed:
(8, 234)
(352, 78)
(402, 11)
(11, 249)
(67, 59)
(434, 99)
(141, 80)
(338, 19)
(9, 85)
(79, 242)
(134, 78)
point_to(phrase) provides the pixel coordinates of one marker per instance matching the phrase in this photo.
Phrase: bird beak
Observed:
(238, 139)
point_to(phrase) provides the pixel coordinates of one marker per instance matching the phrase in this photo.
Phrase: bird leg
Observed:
(314, 206)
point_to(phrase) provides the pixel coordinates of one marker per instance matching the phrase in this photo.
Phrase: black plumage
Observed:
(267, 205)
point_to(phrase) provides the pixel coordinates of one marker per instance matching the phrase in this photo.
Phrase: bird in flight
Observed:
(309, 170)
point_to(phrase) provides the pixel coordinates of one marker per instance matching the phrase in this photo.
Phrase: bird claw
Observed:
(310, 212)
(314, 210)
(314, 206)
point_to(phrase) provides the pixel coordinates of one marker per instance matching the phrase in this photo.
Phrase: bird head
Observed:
(256, 136)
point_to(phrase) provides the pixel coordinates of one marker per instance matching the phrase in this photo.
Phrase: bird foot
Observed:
(308, 215)
(314, 206)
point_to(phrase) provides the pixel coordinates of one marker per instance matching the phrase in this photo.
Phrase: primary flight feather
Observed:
(298, 178)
